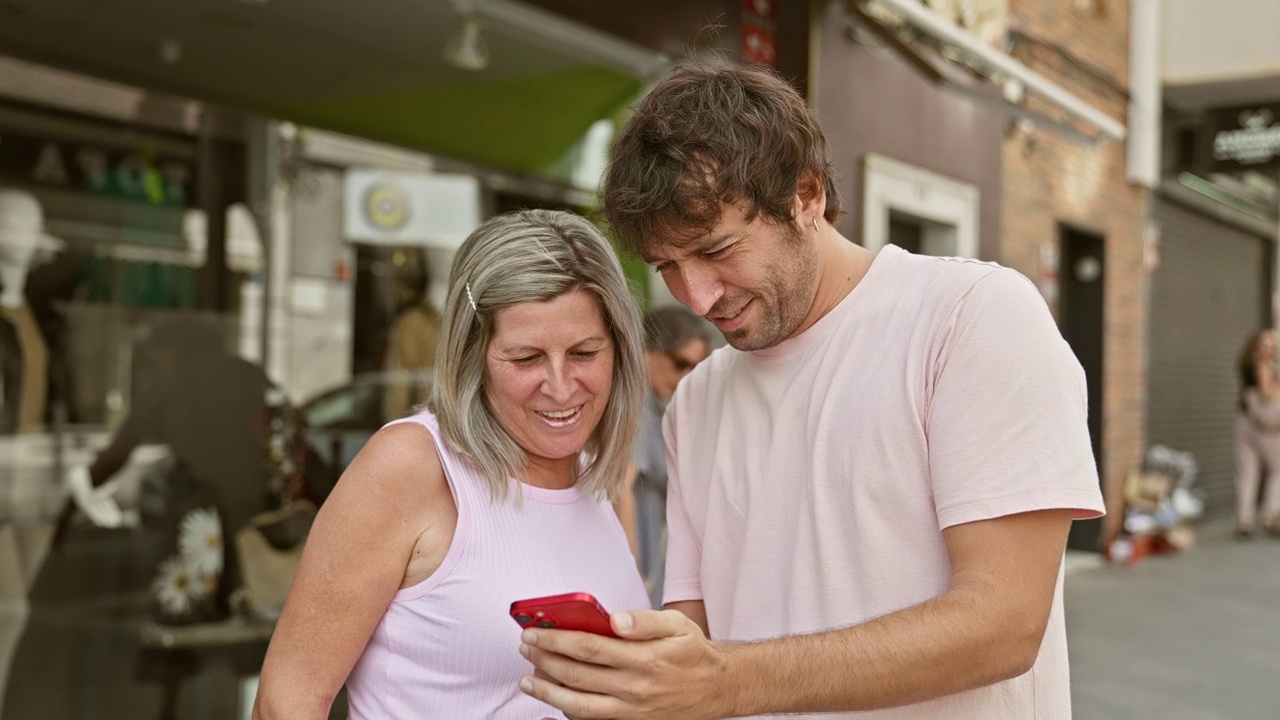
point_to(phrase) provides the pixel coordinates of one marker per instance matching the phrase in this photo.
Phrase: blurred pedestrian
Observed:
(498, 492)
(415, 334)
(869, 493)
(675, 341)
(1258, 436)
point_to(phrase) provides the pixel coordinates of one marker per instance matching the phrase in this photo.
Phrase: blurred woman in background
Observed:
(1258, 436)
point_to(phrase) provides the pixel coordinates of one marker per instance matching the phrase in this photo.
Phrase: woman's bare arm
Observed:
(1268, 383)
(392, 499)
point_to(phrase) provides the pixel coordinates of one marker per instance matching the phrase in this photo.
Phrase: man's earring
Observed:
(815, 223)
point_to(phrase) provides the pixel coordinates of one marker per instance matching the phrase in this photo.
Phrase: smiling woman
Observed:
(548, 375)
(415, 558)
(524, 267)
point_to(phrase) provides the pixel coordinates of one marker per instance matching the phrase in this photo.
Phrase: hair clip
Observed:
(471, 298)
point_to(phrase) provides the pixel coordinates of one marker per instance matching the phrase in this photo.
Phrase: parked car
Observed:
(341, 420)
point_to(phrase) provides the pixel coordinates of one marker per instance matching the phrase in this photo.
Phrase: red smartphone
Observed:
(571, 611)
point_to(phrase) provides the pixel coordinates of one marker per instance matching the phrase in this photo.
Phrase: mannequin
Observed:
(24, 360)
(24, 356)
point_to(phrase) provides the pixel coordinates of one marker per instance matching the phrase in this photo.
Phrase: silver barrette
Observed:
(471, 298)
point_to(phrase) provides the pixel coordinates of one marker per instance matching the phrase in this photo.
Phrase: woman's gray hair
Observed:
(530, 256)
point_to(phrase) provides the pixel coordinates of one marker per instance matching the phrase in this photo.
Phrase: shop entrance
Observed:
(1081, 315)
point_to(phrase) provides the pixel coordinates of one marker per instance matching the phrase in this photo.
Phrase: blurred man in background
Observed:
(675, 341)
(411, 355)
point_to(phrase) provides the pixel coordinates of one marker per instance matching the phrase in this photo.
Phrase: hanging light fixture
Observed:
(467, 48)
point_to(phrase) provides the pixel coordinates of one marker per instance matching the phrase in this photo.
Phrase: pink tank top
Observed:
(447, 647)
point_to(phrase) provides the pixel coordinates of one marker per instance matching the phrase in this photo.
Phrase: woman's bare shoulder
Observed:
(398, 475)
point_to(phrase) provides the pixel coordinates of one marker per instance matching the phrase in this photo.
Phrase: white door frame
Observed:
(950, 207)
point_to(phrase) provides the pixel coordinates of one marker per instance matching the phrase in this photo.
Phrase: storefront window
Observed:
(153, 481)
(156, 481)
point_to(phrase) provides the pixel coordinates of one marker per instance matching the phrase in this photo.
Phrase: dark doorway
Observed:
(906, 234)
(389, 279)
(1082, 281)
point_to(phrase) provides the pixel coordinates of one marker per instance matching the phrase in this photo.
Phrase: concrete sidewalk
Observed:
(1194, 636)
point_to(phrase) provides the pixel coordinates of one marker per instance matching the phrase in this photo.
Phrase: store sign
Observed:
(133, 174)
(1240, 138)
(402, 208)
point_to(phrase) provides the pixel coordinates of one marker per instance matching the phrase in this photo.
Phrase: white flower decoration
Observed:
(177, 586)
(200, 542)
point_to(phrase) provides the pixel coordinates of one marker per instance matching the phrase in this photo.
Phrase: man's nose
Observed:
(699, 289)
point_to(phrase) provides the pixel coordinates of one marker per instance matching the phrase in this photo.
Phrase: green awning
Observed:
(523, 123)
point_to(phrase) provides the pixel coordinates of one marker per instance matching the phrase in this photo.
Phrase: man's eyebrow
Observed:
(696, 247)
(716, 241)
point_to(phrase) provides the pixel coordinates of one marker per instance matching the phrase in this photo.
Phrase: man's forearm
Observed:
(952, 643)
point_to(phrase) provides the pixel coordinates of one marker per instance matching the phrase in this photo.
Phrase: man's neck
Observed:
(841, 266)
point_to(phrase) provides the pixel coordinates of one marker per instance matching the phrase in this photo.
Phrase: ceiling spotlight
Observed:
(467, 48)
(170, 51)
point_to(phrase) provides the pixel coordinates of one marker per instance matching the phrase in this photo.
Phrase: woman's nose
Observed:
(559, 383)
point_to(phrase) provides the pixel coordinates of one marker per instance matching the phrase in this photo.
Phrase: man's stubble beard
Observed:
(797, 274)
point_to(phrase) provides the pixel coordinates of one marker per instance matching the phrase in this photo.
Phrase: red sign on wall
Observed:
(763, 9)
(759, 44)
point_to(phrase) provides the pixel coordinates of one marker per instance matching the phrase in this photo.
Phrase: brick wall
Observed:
(1051, 180)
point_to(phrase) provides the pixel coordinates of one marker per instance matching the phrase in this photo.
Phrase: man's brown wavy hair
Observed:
(706, 136)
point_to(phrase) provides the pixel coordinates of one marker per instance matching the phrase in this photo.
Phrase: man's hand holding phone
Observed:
(650, 664)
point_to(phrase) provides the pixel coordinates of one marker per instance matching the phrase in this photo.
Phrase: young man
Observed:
(870, 493)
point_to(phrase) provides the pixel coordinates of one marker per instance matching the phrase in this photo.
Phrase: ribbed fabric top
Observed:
(447, 647)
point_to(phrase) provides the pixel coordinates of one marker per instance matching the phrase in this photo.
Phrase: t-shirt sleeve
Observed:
(1007, 420)
(683, 579)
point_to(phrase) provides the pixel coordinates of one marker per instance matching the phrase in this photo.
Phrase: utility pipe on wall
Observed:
(1143, 160)
(942, 29)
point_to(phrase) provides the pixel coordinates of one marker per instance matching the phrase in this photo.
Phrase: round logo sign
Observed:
(386, 206)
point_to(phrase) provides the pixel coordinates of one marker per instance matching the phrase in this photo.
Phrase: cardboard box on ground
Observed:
(1160, 508)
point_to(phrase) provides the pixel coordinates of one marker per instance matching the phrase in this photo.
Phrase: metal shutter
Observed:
(1208, 295)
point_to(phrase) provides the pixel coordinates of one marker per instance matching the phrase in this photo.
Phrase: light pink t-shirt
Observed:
(810, 482)
(446, 647)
